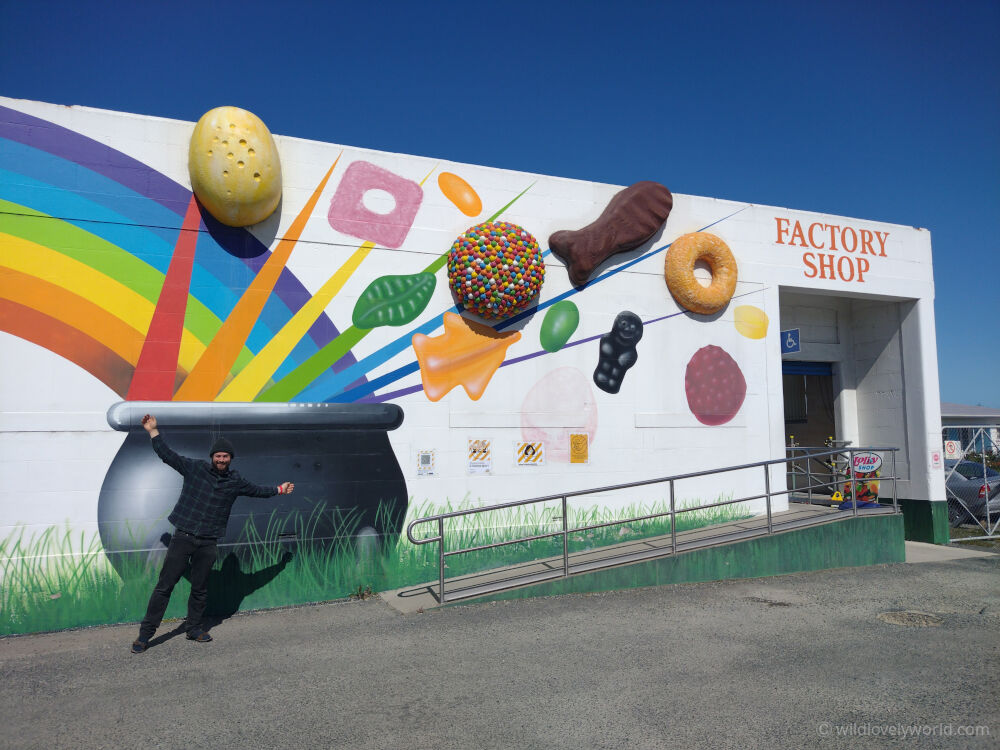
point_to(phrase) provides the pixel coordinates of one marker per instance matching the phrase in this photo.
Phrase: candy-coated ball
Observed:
(497, 258)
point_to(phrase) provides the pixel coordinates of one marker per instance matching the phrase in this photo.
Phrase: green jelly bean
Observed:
(559, 324)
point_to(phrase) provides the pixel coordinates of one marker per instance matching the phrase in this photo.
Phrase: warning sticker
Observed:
(579, 448)
(529, 454)
(480, 456)
(952, 449)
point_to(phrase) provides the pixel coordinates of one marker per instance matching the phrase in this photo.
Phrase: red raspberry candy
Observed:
(714, 386)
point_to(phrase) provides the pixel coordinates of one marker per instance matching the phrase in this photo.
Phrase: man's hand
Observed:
(149, 424)
(286, 488)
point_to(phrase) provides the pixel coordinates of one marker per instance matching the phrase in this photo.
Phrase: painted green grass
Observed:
(504, 525)
(55, 579)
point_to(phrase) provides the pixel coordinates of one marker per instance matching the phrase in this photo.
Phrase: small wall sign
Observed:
(790, 341)
(480, 456)
(866, 463)
(425, 463)
(529, 454)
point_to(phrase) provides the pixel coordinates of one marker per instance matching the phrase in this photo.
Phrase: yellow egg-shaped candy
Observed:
(750, 321)
(234, 166)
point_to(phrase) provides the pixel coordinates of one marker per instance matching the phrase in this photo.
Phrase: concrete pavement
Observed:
(922, 552)
(795, 661)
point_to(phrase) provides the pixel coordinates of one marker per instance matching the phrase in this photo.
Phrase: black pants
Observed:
(183, 548)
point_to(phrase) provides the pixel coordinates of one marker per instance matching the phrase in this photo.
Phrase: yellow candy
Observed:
(234, 166)
(750, 321)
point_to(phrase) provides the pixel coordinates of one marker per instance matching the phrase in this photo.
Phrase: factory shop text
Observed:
(845, 248)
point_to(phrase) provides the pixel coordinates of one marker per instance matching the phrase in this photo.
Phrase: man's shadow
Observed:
(163, 638)
(228, 586)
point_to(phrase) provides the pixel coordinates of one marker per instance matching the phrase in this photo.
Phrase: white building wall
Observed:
(923, 404)
(51, 410)
(826, 334)
(880, 389)
(885, 376)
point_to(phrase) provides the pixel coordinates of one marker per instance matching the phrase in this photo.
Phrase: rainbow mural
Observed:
(159, 301)
(411, 288)
(144, 287)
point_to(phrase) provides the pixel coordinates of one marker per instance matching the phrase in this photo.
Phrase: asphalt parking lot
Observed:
(837, 658)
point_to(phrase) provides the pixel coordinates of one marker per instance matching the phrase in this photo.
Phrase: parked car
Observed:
(969, 486)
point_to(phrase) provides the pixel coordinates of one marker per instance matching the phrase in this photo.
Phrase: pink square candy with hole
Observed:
(348, 213)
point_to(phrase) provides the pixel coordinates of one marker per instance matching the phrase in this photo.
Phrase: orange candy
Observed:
(459, 192)
(466, 354)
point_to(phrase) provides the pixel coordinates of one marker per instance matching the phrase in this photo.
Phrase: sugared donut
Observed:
(679, 272)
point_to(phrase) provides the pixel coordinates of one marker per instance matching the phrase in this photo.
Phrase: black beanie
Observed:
(221, 445)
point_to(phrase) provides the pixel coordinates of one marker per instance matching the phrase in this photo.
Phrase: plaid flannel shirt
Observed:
(208, 495)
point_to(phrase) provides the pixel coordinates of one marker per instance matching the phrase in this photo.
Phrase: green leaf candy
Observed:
(559, 324)
(393, 300)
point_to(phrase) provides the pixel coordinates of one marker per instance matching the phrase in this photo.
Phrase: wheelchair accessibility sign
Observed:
(790, 341)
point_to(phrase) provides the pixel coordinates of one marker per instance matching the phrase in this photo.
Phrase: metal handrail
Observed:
(839, 473)
(672, 513)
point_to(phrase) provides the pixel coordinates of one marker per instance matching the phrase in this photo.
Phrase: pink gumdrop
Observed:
(563, 397)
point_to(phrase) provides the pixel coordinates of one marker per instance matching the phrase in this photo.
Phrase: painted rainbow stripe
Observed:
(74, 198)
(255, 375)
(314, 376)
(208, 375)
(113, 266)
(156, 370)
(541, 353)
(100, 273)
(77, 279)
(68, 342)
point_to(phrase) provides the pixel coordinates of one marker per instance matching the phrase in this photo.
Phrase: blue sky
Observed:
(879, 110)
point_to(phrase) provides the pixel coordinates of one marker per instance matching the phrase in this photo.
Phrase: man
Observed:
(199, 519)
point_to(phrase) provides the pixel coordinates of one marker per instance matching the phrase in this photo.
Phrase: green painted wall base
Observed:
(926, 521)
(854, 542)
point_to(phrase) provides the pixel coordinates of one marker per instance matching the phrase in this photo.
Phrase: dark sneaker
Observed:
(197, 634)
(139, 645)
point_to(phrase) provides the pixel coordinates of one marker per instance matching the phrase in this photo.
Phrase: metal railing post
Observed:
(986, 482)
(565, 538)
(767, 493)
(441, 560)
(895, 502)
(854, 481)
(673, 521)
(809, 478)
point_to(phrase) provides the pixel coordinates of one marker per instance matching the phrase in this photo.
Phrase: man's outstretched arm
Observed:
(167, 455)
(249, 489)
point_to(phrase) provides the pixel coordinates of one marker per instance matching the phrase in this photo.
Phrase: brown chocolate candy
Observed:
(631, 217)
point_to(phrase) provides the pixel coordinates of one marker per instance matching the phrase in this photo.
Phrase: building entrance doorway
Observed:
(810, 418)
(809, 397)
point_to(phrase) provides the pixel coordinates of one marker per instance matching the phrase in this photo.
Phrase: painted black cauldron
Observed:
(347, 479)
